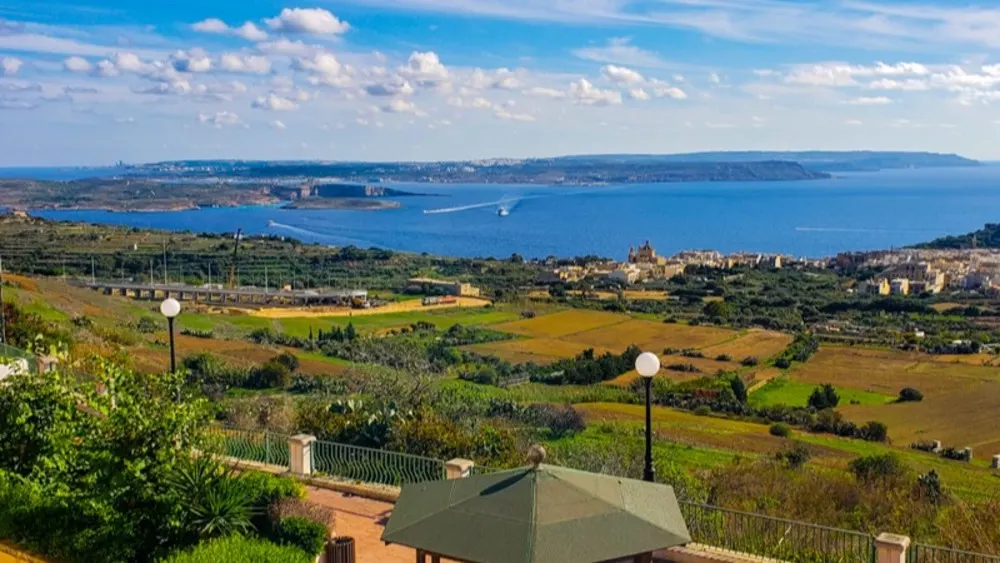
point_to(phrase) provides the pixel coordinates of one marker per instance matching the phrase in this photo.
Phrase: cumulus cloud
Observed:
(194, 60)
(663, 90)
(910, 84)
(220, 119)
(274, 102)
(424, 69)
(639, 94)
(621, 75)
(541, 92)
(248, 30)
(210, 25)
(839, 74)
(10, 65)
(166, 88)
(277, 124)
(394, 86)
(285, 46)
(478, 102)
(583, 92)
(400, 105)
(77, 64)
(501, 113)
(869, 101)
(325, 70)
(621, 51)
(316, 21)
(248, 64)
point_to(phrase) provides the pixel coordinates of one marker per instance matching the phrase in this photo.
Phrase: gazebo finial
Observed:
(536, 455)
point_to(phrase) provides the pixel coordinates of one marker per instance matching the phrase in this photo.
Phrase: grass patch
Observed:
(785, 391)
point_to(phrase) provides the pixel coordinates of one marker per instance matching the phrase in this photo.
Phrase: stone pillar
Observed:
(937, 446)
(968, 454)
(300, 450)
(996, 461)
(891, 548)
(458, 468)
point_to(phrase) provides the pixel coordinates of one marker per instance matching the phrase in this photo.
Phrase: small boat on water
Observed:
(503, 212)
(271, 223)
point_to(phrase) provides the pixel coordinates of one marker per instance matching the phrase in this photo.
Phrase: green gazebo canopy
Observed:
(543, 514)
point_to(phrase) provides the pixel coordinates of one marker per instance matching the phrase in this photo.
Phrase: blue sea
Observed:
(855, 211)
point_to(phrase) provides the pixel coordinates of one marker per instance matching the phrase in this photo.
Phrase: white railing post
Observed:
(891, 548)
(458, 468)
(300, 454)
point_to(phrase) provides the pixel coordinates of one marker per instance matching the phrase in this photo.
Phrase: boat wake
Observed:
(506, 203)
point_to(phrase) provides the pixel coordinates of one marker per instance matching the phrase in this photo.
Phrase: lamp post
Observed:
(647, 364)
(170, 308)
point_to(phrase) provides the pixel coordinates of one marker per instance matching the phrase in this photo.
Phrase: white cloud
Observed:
(191, 61)
(10, 65)
(620, 50)
(869, 101)
(840, 74)
(106, 69)
(639, 94)
(77, 64)
(166, 88)
(400, 105)
(509, 116)
(663, 90)
(394, 86)
(473, 103)
(583, 92)
(326, 70)
(274, 102)
(854, 122)
(285, 46)
(622, 75)
(211, 25)
(714, 78)
(249, 64)
(278, 124)
(250, 32)
(128, 62)
(910, 84)
(220, 119)
(316, 21)
(506, 80)
(424, 69)
(545, 92)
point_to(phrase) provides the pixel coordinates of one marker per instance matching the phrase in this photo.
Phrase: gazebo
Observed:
(537, 514)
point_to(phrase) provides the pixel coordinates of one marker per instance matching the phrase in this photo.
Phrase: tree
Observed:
(878, 468)
(874, 431)
(718, 310)
(350, 333)
(739, 389)
(288, 360)
(910, 395)
(824, 397)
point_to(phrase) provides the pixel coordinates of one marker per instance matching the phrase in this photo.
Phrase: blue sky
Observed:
(96, 81)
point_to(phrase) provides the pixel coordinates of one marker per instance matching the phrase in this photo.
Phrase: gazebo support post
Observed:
(421, 556)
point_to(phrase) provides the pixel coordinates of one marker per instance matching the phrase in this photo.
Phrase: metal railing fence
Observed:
(374, 466)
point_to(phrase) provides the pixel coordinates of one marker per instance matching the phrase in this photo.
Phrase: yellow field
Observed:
(561, 324)
(639, 295)
(943, 307)
(652, 336)
(397, 307)
(762, 344)
(537, 350)
(960, 399)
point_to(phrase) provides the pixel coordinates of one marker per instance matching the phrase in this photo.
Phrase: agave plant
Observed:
(216, 501)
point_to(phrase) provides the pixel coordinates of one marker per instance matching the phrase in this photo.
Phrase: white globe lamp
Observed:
(647, 364)
(170, 308)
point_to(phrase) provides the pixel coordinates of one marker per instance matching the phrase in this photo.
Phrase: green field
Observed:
(784, 391)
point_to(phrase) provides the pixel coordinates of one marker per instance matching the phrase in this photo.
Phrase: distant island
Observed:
(346, 203)
(182, 185)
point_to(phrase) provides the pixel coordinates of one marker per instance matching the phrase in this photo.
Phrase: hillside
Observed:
(987, 237)
(825, 161)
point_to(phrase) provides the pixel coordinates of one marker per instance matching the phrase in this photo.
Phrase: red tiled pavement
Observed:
(363, 519)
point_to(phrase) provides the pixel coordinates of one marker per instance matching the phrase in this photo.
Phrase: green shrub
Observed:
(266, 488)
(703, 410)
(796, 456)
(244, 550)
(910, 395)
(305, 534)
(780, 429)
(875, 468)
